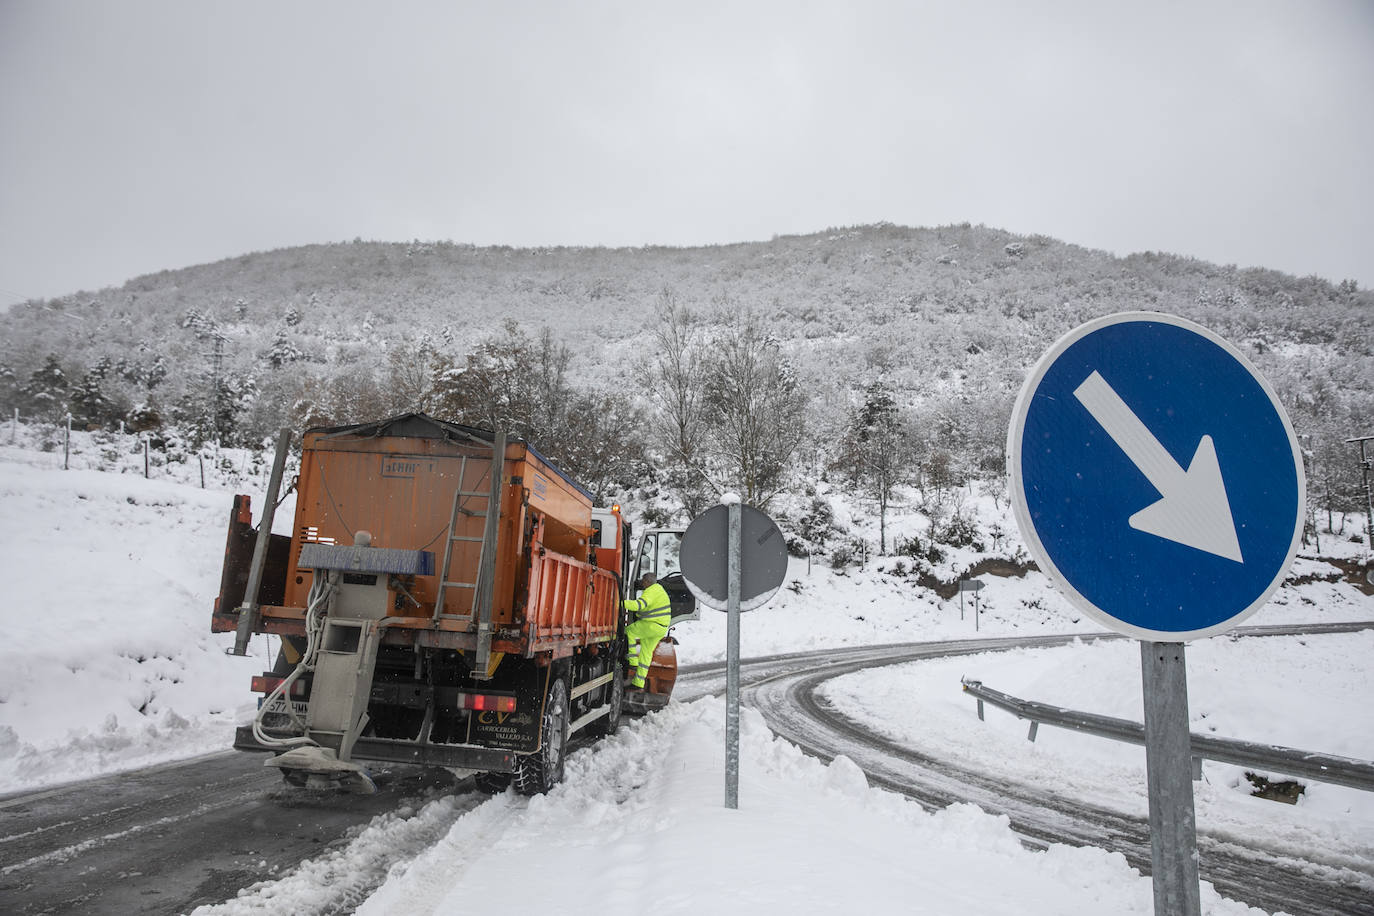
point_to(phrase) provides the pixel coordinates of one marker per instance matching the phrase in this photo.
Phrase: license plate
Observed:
(278, 704)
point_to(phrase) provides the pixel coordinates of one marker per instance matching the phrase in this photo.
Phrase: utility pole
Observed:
(1366, 466)
(217, 390)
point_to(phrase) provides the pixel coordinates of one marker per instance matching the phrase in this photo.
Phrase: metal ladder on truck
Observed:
(486, 559)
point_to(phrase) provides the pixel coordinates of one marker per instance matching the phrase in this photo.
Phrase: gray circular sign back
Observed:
(705, 558)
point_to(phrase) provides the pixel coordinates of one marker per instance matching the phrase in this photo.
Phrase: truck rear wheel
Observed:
(492, 783)
(541, 771)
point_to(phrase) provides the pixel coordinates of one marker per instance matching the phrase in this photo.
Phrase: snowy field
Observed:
(108, 664)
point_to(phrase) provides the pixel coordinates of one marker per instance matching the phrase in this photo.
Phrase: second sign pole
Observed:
(732, 660)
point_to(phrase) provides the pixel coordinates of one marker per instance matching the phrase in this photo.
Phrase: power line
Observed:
(15, 297)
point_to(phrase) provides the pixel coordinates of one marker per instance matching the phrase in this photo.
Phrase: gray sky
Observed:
(143, 135)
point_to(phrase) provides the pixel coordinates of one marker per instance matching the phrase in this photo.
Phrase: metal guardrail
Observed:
(1341, 771)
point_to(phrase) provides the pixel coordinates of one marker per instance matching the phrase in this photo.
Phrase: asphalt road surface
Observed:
(168, 839)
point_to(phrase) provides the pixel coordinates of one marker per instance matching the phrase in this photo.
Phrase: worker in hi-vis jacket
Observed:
(649, 615)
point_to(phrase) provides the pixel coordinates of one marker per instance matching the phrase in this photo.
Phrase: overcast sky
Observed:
(151, 134)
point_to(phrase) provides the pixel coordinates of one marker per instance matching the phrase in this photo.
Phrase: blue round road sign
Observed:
(1155, 477)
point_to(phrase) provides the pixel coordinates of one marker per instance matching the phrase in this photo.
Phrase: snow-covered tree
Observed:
(876, 451)
(755, 411)
(9, 388)
(90, 406)
(45, 393)
(282, 351)
(673, 380)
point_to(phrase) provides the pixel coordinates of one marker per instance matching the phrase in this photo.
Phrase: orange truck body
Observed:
(546, 594)
(483, 627)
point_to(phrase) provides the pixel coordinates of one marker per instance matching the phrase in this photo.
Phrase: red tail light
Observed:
(486, 702)
(268, 682)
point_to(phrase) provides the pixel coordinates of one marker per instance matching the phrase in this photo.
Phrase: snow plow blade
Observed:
(320, 768)
(639, 702)
(659, 683)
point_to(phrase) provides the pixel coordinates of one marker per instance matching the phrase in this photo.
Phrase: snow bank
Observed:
(1309, 693)
(107, 661)
(640, 824)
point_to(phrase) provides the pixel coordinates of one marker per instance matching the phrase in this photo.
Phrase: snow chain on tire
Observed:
(541, 771)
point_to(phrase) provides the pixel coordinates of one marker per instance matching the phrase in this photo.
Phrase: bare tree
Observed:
(673, 381)
(552, 395)
(519, 385)
(754, 410)
(411, 375)
(876, 451)
(603, 443)
(494, 387)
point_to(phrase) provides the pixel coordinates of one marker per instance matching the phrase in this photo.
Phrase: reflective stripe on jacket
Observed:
(652, 604)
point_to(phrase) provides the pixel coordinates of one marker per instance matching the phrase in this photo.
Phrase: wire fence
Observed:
(155, 456)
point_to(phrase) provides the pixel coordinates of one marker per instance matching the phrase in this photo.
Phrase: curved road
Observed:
(168, 839)
(784, 689)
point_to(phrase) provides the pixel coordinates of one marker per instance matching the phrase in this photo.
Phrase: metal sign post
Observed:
(732, 664)
(1157, 480)
(970, 585)
(734, 559)
(1169, 775)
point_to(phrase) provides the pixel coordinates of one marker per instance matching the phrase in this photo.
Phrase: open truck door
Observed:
(658, 552)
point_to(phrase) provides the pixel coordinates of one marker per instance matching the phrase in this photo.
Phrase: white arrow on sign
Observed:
(1194, 510)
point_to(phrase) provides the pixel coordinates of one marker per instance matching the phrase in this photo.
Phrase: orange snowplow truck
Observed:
(446, 597)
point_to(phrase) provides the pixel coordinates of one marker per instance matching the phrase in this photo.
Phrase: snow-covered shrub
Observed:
(958, 530)
(925, 553)
(815, 527)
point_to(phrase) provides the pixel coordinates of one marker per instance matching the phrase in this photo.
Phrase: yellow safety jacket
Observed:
(652, 604)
